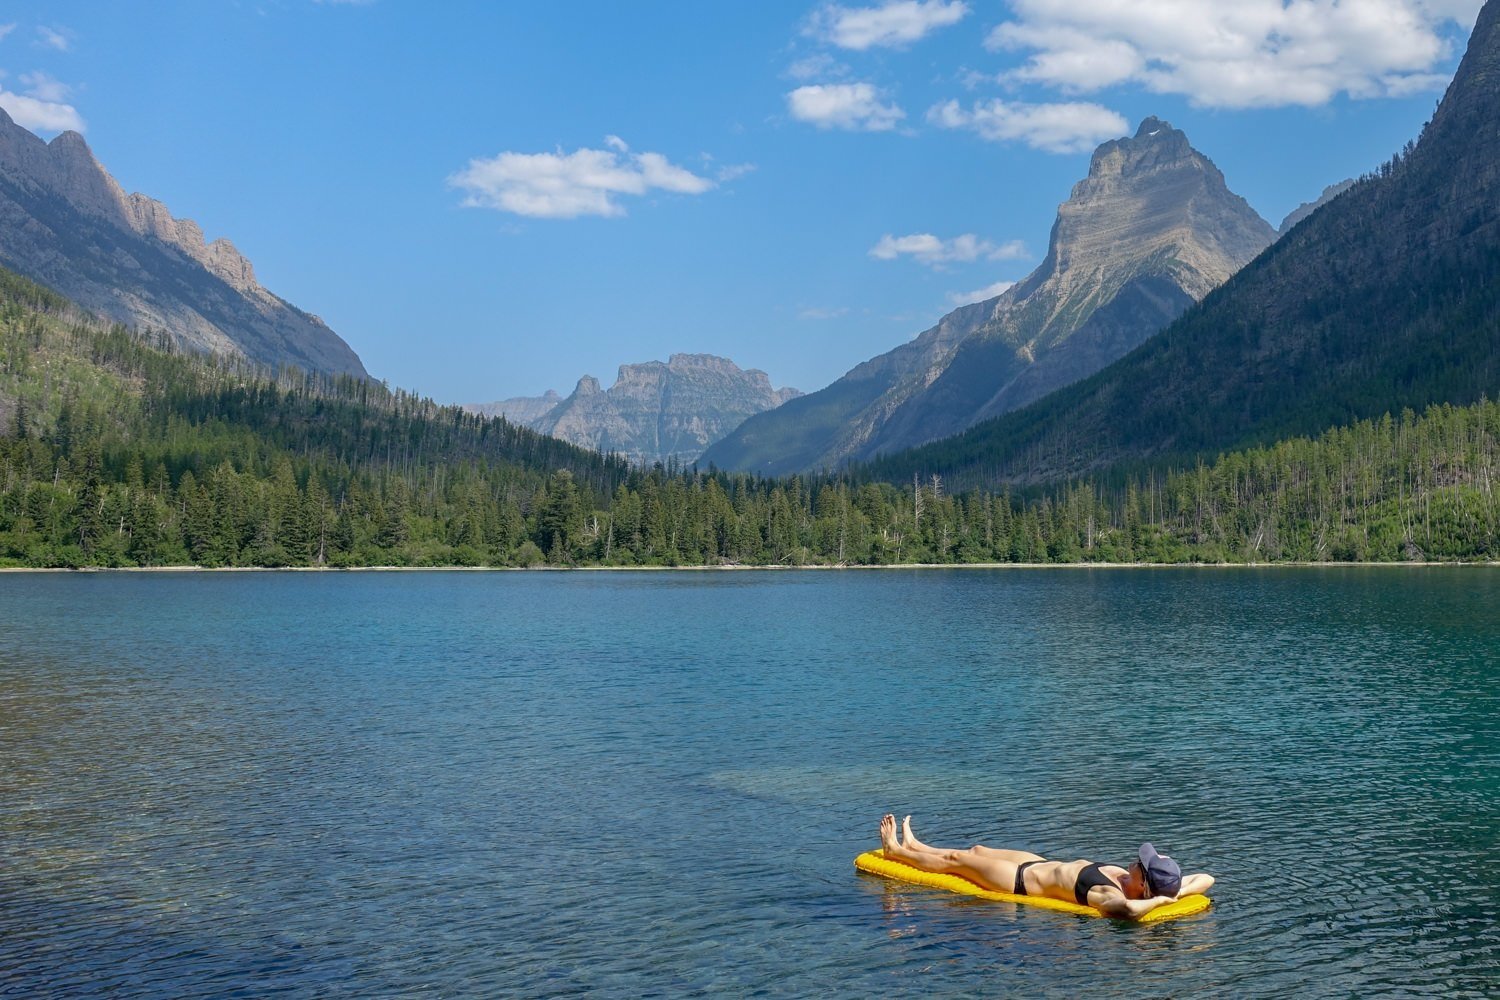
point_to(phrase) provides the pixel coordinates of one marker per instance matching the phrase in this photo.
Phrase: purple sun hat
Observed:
(1163, 875)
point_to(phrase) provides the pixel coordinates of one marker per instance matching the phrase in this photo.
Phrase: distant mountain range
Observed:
(654, 412)
(1386, 297)
(519, 409)
(1302, 211)
(66, 223)
(1150, 231)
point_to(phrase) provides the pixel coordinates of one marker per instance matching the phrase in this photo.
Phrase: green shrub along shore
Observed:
(116, 450)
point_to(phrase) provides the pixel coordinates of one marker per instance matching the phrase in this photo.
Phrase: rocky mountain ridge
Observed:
(65, 222)
(1151, 230)
(655, 411)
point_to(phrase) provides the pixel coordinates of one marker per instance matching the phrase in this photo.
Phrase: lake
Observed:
(625, 784)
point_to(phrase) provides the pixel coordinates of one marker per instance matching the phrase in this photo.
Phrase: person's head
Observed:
(1155, 874)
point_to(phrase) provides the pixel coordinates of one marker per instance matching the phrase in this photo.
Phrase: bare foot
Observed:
(888, 833)
(910, 839)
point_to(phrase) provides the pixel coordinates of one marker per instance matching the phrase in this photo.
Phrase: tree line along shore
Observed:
(118, 450)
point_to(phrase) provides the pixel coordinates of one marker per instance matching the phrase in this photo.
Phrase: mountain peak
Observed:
(70, 142)
(72, 171)
(1155, 145)
(1152, 126)
(66, 222)
(1151, 230)
(72, 158)
(1147, 193)
(701, 361)
(655, 412)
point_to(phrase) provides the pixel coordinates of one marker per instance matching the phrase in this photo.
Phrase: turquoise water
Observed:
(632, 784)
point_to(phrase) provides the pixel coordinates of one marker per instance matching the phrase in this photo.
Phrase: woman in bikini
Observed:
(1148, 882)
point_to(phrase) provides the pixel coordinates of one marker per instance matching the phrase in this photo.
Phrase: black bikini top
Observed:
(1087, 879)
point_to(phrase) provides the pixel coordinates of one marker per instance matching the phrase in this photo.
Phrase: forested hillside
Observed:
(114, 452)
(119, 450)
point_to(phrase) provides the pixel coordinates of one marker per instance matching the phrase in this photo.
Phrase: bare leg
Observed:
(909, 838)
(1016, 857)
(999, 854)
(921, 856)
(990, 873)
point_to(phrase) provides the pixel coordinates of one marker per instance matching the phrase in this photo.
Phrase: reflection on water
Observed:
(631, 783)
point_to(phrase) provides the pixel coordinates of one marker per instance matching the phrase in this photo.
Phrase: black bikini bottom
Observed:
(1021, 877)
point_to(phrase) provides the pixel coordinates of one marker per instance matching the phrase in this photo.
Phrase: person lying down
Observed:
(1130, 892)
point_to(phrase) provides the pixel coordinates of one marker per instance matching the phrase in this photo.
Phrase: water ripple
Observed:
(634, 785)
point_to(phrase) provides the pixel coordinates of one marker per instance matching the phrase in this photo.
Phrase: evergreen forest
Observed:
(118, 449)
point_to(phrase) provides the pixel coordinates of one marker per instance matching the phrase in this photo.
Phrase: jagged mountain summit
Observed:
(1150, 231)
(65, 222)
(1385, 298)
(655, 411)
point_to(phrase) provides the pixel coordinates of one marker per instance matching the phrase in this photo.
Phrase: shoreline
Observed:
(778, 568)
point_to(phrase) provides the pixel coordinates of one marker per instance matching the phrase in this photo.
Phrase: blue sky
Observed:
(492, 199)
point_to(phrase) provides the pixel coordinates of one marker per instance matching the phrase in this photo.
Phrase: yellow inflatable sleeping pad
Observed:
(876, 863)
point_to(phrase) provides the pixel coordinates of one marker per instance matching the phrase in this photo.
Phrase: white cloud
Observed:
(1250, 53)
(895, 23)
(853, 106)
(54, 38)
(816, 313)
(40, 116)
(44, 88)
(733, 172)
(820, 65)
(980, 294)
(6, 29)
(1013, 250)
(934, 252)
(723, 174)
(1055, 128)
(566, 185)
(42, 106)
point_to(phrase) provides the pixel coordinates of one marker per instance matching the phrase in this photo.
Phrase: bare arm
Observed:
(1115, 904)
(1199, 883)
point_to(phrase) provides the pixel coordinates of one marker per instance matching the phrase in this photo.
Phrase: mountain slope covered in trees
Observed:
(123, 450)
(114, 452)
(1385, 298)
